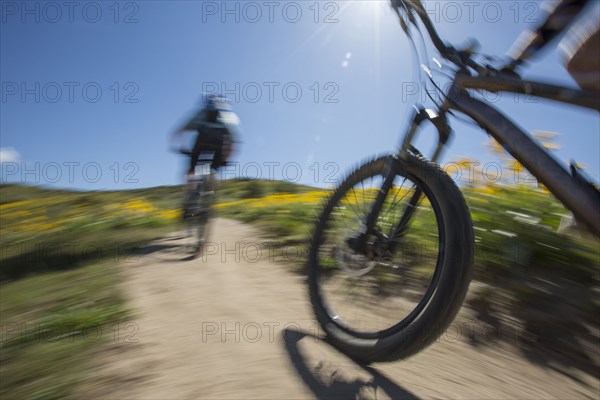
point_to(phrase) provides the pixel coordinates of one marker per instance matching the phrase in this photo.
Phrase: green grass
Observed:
(73, 249)
(50, 323)
(516, 231)
(59, 292)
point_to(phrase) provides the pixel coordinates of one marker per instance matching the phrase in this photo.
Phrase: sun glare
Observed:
(360, 14)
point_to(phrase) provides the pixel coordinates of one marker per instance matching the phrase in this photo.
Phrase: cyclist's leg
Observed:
(584, 67)
(217, 161)
(200, 146)
(581, 46)
(190, 191)
(188, 197)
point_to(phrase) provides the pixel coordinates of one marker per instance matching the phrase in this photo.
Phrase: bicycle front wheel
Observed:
(404, 286)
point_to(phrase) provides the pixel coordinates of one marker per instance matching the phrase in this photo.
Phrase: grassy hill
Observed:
(59, 273)
(61, 251)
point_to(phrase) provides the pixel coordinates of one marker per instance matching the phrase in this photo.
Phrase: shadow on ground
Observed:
(329, 381)
(558, 332)
(551, 321)
(168, 250)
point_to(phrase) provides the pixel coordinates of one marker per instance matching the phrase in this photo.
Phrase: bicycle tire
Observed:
(453, 268)
(198, 223)
(202, 231)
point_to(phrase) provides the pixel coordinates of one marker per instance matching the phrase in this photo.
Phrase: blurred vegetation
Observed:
(59, 274)
(60, 252)
(50, 324)
(49, 230)
(516, 229)
(58, 267)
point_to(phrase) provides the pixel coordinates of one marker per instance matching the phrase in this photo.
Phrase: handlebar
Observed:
(460, 57)
(416, 6)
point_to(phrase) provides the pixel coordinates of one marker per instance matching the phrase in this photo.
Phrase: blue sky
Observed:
(91, 93)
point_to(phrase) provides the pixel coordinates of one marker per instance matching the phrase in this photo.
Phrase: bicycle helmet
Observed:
(215, 102)
(222, 105)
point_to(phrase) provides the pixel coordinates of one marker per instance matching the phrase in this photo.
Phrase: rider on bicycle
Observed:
(214, 125)
(581, 44)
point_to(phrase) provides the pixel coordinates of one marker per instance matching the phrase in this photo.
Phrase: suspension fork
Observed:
(359, 243)
(420, 115)
(444, 131)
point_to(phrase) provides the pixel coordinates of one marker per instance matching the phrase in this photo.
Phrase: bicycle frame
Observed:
(203, 176)
(197, 196)
(577, 194)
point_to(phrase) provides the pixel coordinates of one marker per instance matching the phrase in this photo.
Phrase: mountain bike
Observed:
(391, 256)
(198, 199)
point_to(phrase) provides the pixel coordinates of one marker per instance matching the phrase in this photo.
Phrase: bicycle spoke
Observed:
(395, 196)
(356, 285)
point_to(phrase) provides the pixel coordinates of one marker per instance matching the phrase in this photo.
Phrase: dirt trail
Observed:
(223, 328)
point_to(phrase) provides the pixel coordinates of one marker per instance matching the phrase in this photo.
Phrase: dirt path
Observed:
(223, 328)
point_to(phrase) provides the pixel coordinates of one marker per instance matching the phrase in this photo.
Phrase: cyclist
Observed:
(215, 126)
(581, 44)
